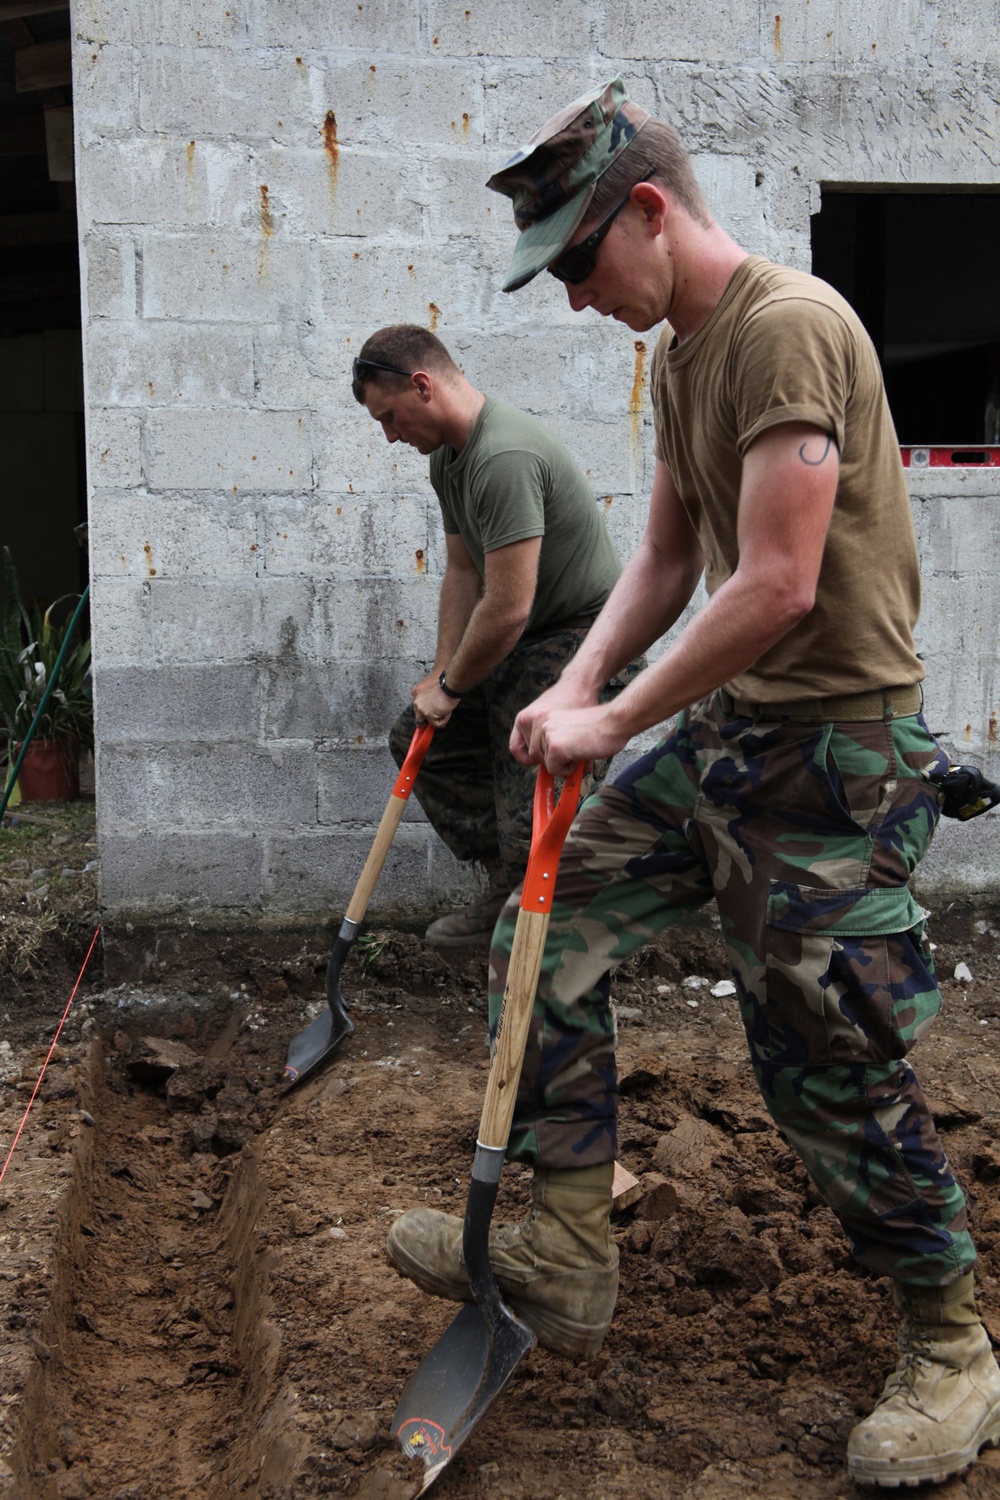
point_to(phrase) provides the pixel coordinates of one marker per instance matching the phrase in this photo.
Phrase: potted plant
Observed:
(30, 642)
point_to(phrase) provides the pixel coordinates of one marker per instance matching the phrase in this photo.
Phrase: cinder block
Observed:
(583, 370)
(152, 873)
(649, 29)
(165, 182)
(318, 872)
(159, 364)
(120, 630)
(229, 449)
(380, 619)
(301, 24)
(189, 22)
(353, 457)
(609, 453)
(228, 278)
(108, 277)
(204, 620)
(407, 99)
(214, 787)
(146, 537)
(729, 184)
(347, 536)
(854, 33)
(511, 28)
(324, 189)
(224, 93)
(193, 704)
(113, 448)
(405, 283)
(451, 188)
(355, 787)
(344, 703)
(105, 91)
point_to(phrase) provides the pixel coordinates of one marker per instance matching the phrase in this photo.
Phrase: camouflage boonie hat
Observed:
(552, 179)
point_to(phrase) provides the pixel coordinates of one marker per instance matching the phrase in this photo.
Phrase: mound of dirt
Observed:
(193, 1285)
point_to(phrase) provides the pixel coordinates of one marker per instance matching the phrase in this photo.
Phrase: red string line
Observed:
(55, 1039)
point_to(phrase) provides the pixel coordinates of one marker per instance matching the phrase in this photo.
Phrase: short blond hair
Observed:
(656, 149)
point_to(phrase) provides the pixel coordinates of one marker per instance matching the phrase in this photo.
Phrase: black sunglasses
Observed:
(374, 364)
(576, 263)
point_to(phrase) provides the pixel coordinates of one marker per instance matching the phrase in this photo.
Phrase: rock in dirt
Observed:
(154, 1059)
(690, 1148)
(658, 1198)
(198, 1080)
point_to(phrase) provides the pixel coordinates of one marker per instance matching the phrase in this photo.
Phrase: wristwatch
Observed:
(449, 692)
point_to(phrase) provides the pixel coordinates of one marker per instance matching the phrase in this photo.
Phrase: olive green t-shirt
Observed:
(783, 346)
(513, 480)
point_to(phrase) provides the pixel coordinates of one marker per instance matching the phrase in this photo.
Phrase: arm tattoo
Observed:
(814, 463)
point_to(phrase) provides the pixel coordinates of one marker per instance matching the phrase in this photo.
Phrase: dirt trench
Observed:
(193, 1285)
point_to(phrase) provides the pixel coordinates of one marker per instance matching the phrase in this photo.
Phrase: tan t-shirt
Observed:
(783, 346)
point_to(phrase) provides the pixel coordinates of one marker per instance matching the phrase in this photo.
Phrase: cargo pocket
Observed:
(849, 975)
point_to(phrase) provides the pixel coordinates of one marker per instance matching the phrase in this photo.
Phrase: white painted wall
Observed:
(262, 184)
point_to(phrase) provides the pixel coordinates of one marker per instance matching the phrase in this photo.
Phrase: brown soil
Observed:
(193, 1288)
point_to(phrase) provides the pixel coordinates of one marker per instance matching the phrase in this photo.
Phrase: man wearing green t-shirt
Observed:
(796, 787)
(529, 565)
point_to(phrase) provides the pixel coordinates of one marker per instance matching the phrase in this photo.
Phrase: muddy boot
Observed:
(472, 926)
(558, 1270)
(941, 1404)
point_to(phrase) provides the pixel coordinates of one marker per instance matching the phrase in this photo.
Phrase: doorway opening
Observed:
(919, 268)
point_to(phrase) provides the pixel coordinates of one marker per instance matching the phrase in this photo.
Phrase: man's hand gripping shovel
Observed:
(473, 1360)
(311, 1047)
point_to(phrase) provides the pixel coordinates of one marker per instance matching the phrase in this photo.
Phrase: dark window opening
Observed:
(920, 269)
(41, 365)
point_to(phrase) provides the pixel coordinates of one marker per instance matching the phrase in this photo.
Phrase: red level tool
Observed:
(969, 457)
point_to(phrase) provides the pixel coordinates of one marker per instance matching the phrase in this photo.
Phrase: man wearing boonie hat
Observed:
(796, 785)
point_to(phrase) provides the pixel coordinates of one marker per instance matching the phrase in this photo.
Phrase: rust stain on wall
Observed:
(435, 313)
(266, 216)
(331, 147)
(635, 399)
(421, 561)
(149, 559)
(777, 35)
(991, 733)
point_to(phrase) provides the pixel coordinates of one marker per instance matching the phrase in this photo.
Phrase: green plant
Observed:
(30, 641)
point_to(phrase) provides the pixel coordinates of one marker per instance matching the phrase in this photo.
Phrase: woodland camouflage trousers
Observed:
(477, 797)
(806, 835)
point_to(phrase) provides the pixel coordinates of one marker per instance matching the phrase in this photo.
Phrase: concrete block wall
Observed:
(261, 185)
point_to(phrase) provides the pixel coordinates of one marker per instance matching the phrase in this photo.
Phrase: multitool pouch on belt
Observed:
(965, 792)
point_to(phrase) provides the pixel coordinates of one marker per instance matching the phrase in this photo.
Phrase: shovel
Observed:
(474, 1359)
(313, 1046)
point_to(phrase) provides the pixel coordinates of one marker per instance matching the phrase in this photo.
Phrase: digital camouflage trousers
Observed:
(806, 835)
(477, 797)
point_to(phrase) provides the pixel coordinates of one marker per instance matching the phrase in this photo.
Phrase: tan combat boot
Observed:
(941, 1404)
(472, 926)
(558, 1270)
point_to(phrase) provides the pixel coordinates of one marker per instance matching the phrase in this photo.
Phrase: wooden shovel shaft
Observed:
(390, 821)
(550, 825)
(512, 1028)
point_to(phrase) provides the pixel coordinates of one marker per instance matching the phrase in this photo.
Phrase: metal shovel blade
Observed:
(458, 1381)
(311, 1047)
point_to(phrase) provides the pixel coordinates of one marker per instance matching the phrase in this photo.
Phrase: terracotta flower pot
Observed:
(51, 771)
